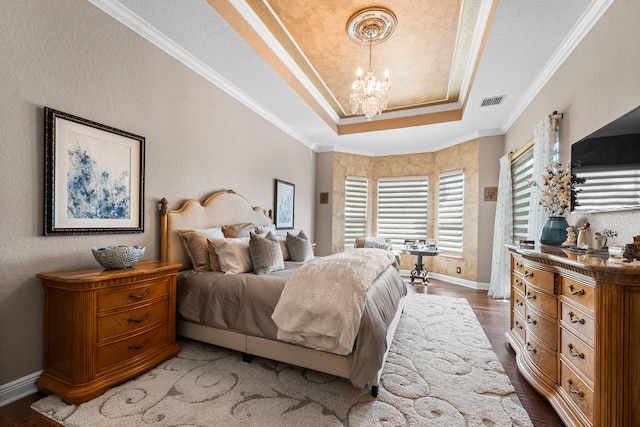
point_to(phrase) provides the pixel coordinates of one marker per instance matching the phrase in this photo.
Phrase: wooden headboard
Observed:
(224, 207)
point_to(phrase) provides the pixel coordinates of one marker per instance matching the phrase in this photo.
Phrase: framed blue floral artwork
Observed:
(284, 201)
(94, 177)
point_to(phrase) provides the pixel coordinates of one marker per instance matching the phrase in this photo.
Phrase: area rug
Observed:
(441, 371)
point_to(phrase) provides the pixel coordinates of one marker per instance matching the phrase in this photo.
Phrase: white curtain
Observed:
(500, 284)
(542, 155)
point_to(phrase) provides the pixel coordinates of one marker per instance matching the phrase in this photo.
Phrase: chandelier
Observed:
(370, 96)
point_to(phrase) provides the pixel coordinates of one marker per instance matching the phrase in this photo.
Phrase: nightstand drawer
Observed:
(132, 294)
(120, 351)
(128, 321)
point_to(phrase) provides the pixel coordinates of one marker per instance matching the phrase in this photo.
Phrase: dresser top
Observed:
(99, 274)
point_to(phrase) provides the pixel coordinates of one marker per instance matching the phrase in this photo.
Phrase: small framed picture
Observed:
(94, 177)
(284, 202)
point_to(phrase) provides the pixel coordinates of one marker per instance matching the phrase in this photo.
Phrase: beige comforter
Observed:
(322, 302)
(245, 302)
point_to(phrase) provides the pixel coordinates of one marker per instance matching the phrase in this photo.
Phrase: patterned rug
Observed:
(441, 371)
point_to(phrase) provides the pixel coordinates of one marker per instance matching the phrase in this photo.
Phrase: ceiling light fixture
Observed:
(368, 26)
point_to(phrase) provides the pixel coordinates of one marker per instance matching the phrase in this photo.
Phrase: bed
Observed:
(241, 319)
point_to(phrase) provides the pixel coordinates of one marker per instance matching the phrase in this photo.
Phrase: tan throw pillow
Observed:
(299, 247)
(237, 230)
(214, 260)
(265, 229)
(282, 240)
(195, 245)
(233, 254)
(266, 255)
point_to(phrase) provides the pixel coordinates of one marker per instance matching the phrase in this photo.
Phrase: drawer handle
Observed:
(139, 346)
(530, 320)
(139, 297)
(518, 265)
(518, 325)
(574, 390)
(518, 282)
(574, 319)
(139, 319)
(575, 353)
(527, 274)
(520, 303)
(578, 292)
(529, 348)
(530, 295)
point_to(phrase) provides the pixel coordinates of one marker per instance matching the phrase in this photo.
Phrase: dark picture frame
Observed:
(284, 203)
(94, 177)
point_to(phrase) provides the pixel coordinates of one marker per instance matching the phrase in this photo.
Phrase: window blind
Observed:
(402, 209)
(613, 189)
(451, 213)
(521, 174)
(355, 210)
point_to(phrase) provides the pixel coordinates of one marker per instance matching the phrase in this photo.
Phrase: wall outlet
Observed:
(458, 270)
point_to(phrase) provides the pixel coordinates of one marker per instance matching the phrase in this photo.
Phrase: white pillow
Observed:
(233, 254)
(195, 245)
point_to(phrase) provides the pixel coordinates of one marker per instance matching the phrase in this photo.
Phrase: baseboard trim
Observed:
(18, 389)
(481, 286)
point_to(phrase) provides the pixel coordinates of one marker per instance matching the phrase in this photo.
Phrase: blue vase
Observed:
(554, 231)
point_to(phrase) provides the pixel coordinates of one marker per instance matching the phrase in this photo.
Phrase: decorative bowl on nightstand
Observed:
(116, 257)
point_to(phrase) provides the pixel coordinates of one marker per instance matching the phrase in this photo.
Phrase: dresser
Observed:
(103, 327)
(575, 328)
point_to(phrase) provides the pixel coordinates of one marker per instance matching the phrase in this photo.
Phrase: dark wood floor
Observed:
(492, 314)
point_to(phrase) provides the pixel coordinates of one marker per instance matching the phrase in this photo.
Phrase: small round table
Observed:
(419, 272)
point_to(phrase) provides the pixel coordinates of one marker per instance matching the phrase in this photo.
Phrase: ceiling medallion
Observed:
(368, 26)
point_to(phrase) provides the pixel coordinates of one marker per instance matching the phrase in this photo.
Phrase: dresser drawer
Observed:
(577, 391)
(109, 299)
(543, 280)
(518, 283)
(519, 303)
(544, 359)
(543, 329)
(518, 325)
(542, 302)
(518, 265)
(578, 322)
(121, 351)
(577, 353)
(578, 292)
(115, 324)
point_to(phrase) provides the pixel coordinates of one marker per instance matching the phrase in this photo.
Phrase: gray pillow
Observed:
(195, 245)
(299, 247)
(266, 255)
(283, 244)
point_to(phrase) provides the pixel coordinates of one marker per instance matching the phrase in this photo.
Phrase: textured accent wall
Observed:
(70, 56)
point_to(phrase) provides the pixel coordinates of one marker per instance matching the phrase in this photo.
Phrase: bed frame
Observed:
(224, 208)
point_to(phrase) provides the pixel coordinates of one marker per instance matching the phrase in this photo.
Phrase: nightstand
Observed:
(103, 327)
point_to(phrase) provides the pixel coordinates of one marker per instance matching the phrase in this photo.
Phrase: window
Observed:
(450, 213)
(521, 174)
(402, 209)
(355, 210)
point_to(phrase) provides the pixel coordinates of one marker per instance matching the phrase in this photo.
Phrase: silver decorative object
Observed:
(116, 257)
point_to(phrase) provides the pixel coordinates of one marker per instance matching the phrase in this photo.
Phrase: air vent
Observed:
(494, 100)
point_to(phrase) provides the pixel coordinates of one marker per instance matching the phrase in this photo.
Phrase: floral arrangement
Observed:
(555, 190)
(604, 235)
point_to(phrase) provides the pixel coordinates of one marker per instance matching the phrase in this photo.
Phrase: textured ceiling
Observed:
(292, 62)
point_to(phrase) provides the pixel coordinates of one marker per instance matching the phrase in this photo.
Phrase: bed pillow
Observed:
(282, 240)
(265, 229)
(237, 230)
(195, 245)
(266, 255)
(299, 247)
(233, 254)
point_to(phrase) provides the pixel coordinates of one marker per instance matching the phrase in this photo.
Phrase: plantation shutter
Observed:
(521, 174)
(355, 210)
(450, 213)
(402, 209)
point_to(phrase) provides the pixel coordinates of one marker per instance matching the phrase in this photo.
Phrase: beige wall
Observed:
(476, 163)
(597, 83)
(70, 56)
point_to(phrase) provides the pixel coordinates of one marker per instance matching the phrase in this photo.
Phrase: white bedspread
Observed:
(323, 301)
